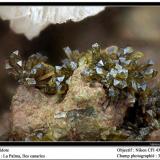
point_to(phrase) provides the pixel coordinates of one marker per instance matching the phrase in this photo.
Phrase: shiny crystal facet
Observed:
(100, 63)
(86, 72)
(68, 52)
(116, 82)
(128, 50)
(134, 85)
(99, 70)
(58, 68)
(60, 79)
(19, 63)
(150, 62)
(122, 73)
(16, 52)
(7, 66)
(33, 71)
(123, 84)
(60, 115)
(30, 81)
(142, 86)
(73, 65)
(111, 92)
(95, 46)
(136, 55)
(131, 99)
(122, 59)
(118, 67)
(112, 49)
(113, 72)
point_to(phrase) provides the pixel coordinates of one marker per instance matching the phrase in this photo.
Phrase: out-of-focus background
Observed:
(138, 27)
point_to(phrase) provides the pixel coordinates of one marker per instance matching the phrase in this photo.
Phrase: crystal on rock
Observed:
(150, 112)
(58, 68)
(119, 84)
(58, 83)
(122, 73)
(33, 60)
(136, 55)
(112, 49)
(128, 50)
(150, 62)
(73, 65)
(39, 66)
(100, 63)
(16, 52)
(112, 92)
(30, 81)
(116, 82)
(65, 62)
(116, 61)
(60, 115)
(131, 99)
(14, 58)
(52, 81)
(33, 71)
(122, 59)
(114, 67)
(134, 85)
(61, 89)
(123, 84)
(60, 79)
(19, 63)
(113, 72)
(37, 58)
(68, 52)
(95, 46)
(86, 72)
(144, 131)
(150, 73)
(7, 65)
(142, 86)
(99, 70)
(118, 67)
(127, 62)
(39, 135)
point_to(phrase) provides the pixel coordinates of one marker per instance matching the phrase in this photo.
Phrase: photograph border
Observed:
(81, 143)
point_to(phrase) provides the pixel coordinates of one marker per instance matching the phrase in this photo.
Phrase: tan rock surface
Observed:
(82, 115)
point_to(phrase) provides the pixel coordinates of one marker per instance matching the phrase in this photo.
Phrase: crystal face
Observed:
(119, 70)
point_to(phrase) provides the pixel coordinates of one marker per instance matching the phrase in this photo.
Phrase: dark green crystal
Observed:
(119, 70)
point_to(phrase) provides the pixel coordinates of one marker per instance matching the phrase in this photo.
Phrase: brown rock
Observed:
(31, 110)
(82, 115)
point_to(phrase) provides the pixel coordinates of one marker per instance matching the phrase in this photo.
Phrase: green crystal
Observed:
(128, 50)
(136, 55)
(117, 69)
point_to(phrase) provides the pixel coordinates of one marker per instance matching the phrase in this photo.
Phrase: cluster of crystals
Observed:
(146, 116)
(36, 72)
(119, 71)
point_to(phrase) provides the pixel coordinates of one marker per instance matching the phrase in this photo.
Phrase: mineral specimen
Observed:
(99, 89)
(117, 69)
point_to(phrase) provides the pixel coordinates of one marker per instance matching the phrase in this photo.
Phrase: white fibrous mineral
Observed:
(31, 20)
